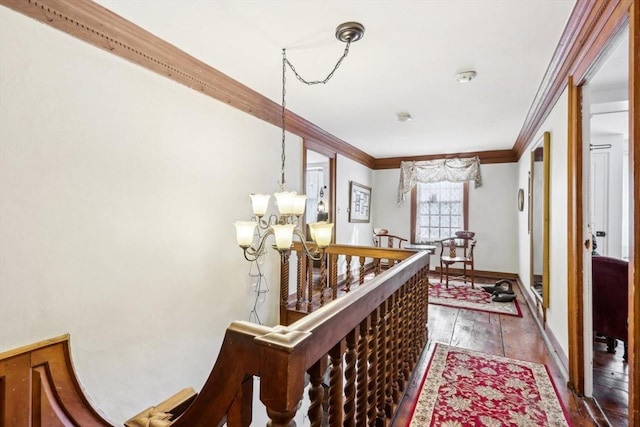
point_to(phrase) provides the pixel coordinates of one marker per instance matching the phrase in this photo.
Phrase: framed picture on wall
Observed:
(359, 202)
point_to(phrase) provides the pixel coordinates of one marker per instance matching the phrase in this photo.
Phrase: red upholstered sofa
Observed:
(610, 300)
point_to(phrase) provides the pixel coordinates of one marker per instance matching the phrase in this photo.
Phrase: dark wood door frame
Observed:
(620, 13)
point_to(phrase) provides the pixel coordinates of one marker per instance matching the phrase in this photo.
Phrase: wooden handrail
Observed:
(320, 284)
(347, 312)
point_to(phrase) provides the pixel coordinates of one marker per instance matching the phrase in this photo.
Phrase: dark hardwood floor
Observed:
(519, 338)
(611, 383)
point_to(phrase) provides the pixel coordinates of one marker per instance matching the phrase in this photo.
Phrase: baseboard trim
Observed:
(548, 337)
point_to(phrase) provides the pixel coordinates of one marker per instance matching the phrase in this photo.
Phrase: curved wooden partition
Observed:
(360, 350)
(38, 387)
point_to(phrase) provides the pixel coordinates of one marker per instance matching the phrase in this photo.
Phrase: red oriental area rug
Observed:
(467, 388)
(460, 295)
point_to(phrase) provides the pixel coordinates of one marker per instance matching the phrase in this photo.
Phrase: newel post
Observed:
(282, 370)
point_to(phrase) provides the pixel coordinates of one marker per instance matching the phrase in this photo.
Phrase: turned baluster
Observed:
(412, 322)
(323, 279)
(281, 419)
(372, 372)
(300, 279)
(350, 378)
(334, 275)
(348, 273)
(417, 318)
(381, 360)
(316, 392)
(335, 384)
(309, 286)
(425, 305)
(284, 287)
(362, 371)
(361, 278)
(394, 341)
(404, 337)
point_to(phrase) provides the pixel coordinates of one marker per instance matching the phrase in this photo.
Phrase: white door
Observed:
(599, 199)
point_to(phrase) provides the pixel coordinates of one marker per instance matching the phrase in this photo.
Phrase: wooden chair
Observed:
(458, 249)
(386, 240)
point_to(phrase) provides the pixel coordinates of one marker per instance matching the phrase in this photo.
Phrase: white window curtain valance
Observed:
(452, 170)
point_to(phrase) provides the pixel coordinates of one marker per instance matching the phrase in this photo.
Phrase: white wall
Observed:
(352, 233)
(118, 189)
(493, 214)
(557, 313)
(386, 211)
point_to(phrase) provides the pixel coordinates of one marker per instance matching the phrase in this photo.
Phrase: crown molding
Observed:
(94, 24)
(590, 27)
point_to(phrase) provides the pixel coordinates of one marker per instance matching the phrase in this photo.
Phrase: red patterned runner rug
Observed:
(467, 388)
(460, 295)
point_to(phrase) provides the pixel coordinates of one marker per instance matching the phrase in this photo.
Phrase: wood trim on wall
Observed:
(574, 242)
(94, 24)
(634, 192)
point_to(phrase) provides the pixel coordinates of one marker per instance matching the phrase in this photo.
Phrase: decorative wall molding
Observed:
(589, 28)
(92, 23)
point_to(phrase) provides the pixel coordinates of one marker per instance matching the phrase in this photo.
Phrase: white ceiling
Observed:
(406, 62)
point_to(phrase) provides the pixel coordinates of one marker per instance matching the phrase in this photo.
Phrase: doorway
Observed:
(605, 102)
(319, 184)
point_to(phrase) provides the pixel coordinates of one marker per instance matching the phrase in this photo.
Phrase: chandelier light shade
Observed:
(244, 232)
(321, 233)
(290, 205)
(283, 235)
(284, 200)
(259, 203)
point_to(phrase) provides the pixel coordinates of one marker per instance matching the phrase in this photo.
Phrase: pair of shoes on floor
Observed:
(502, 286)
(503, 297)
(502, 291)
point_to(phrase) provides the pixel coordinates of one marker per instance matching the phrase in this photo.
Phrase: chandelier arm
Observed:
(315, 254)
(264, 222)
(326, 79)
(255, 253)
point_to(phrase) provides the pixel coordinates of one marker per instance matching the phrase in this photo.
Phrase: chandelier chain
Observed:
(284, 107)
(326, 79)
(286, 62)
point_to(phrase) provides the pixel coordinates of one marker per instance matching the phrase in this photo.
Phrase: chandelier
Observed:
(291, 205)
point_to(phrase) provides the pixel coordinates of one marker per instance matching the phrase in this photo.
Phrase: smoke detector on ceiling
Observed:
(404, 117)
(466, 76)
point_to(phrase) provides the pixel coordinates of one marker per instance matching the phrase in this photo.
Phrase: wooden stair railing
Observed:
(366, 343)
(317, 286)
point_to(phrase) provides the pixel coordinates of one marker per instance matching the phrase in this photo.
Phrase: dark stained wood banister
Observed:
(348, 311)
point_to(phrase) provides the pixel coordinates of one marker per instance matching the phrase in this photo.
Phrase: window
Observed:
(438, 210)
